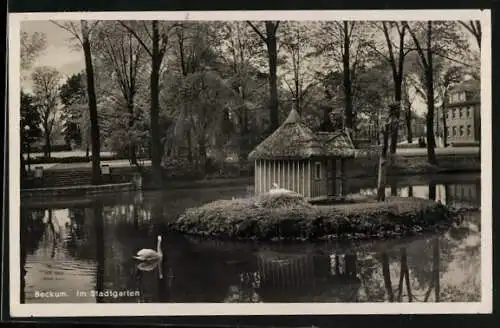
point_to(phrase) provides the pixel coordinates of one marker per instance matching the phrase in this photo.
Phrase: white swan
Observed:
(277, 190)
(150, 255)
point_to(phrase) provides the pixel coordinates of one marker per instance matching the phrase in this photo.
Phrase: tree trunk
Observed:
(244, 135)
(409, 132)
(404, 266)
(435, 269)
(24, 173)
(387, 276)
(272, 52)
(202, 153)
(432, 191)
(132, 146)
(100, 247)
(48, 146)
(445, 125)
(396, 113)
(347, 79)
(394, 189)
(429, 72)
(94, 124)
(190, 146)
(154, 115)
(382, 167)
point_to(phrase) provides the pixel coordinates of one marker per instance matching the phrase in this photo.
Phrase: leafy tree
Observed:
(371, 97)
(121, 51)
(30, 122)
(83, 33)
(154, 38)
(270, 40)
(46, 92)
(241, 56)
(73, 98)
(194, 52)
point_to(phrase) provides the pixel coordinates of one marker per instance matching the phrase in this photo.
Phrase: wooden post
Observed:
(382, 166)
(255, 178)
(309, 178)
(343, 189)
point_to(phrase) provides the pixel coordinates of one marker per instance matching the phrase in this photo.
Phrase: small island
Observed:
(312, 204)
(276, 216)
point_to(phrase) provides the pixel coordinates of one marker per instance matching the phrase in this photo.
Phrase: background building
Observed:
(463, 113)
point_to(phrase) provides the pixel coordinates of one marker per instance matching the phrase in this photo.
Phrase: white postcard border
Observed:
(181, 309)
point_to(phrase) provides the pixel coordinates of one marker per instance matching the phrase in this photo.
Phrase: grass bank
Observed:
(366, 165)
(287, 216)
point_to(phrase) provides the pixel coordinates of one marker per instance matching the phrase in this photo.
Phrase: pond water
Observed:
(81, 251)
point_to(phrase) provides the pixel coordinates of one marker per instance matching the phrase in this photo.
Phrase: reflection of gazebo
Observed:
(307, 277)
(296, 158)
(285, 270)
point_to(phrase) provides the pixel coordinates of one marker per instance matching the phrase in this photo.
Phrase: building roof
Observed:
(471, 85)
(294, 140)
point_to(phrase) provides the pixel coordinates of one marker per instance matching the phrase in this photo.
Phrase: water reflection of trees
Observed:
(32, 230)
(209, 271)
(100, 247)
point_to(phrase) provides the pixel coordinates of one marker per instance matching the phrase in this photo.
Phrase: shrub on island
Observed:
(288, 216)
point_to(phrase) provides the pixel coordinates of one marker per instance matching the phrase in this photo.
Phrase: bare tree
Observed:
(395, 57)
(345, 42)
(434, 39)
(46, 89)
(83, 34)
(270, 40)
(426, 58)
(297, 52)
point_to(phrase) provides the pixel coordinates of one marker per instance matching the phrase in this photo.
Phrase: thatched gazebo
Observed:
(296, 158)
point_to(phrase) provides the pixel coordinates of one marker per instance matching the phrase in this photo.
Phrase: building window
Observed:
(469, 130)
(453, 113)
(454, 131)
(317, 171)
(468, 112)
(460, 112)
(461, 130)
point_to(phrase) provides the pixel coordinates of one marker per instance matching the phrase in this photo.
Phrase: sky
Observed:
(67, 60)
(59, 53)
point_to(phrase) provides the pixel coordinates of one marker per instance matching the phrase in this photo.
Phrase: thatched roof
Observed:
(293, 139)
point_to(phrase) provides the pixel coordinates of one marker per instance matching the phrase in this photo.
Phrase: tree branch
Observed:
(137, 37)
(71, 31)
(417, 44)
(257, 31)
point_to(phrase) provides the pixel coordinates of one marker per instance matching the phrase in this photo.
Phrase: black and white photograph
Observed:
(286, 162)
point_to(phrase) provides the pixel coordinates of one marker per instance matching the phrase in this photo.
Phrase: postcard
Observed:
(250, 163)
